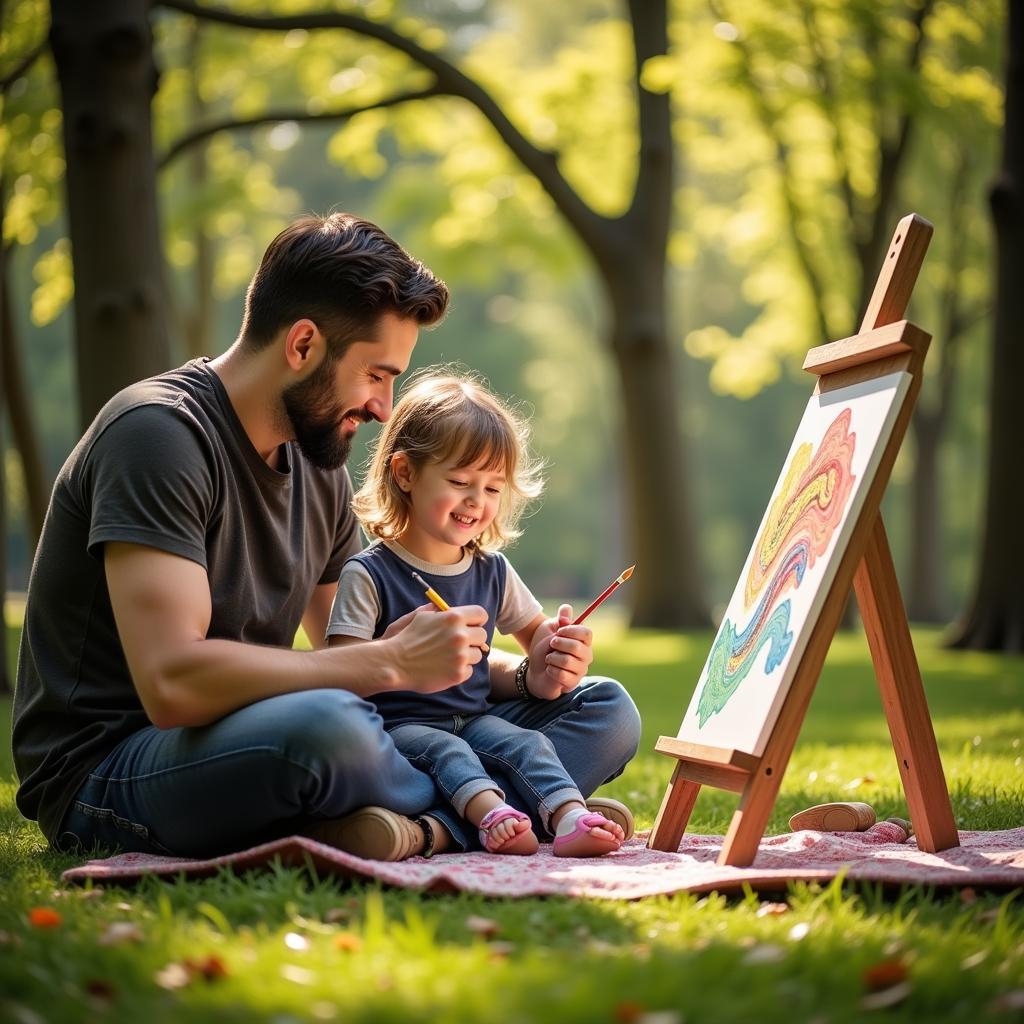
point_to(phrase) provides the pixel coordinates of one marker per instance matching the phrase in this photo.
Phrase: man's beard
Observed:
(316, 418)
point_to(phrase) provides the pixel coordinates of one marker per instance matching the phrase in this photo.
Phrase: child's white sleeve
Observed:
(518, 605)
(356, 605)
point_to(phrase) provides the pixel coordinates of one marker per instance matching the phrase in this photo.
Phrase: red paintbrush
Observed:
(623, 576)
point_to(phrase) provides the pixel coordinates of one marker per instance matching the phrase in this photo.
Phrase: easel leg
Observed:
(676, 808)
(906, 708)
(751, 817)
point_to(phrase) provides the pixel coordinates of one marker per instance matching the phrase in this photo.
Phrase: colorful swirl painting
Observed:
(809, 506)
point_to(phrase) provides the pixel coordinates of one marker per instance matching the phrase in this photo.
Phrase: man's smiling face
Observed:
(326, 408)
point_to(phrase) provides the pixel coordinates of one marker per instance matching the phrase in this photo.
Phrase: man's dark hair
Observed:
(342, 273)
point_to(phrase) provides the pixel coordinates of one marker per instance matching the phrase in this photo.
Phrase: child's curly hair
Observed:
(445, 414)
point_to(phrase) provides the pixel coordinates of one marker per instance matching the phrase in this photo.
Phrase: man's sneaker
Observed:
(373, 833)
(613, 811)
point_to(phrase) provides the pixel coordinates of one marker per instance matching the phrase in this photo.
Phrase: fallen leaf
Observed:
(98, 988)
(972, 961)
(968, 896)
(766, 953)
(172, 976)
(892, 996)
(661, 1017)
(22, 1014)
(861, 780)
(297, 975)
(336, 914)
(770, 909)
(884, 974)
(501, 950)
(483, 926)
(347, 942)
(118, 932)
(124, 906)
(295, 941)
(627, 1012)
(209, 968)
(44, 917)
(1012, 1000)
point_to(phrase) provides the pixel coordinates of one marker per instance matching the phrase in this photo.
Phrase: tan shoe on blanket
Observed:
(841, 816)
(373, 833)
(613, 811)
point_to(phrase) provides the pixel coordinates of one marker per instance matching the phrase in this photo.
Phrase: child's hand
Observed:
(436, 650)
(560, 655)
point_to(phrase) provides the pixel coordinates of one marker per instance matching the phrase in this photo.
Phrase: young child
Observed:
(449, 478)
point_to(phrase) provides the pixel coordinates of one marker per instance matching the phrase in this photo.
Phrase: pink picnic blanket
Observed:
(983, 860)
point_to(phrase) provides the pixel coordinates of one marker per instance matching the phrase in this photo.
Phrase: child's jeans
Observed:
(463, 753)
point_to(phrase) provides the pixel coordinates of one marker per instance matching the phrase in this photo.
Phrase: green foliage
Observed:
(288, 946)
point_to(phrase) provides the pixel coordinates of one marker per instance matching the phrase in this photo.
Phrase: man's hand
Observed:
(436, 650)
(560, 654)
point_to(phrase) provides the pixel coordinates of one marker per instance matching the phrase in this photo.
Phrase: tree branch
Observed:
(26, 62)
(652, 198)
(199, 135)
(769, 122)
(830, 102)
(892, 151)
(591, 227)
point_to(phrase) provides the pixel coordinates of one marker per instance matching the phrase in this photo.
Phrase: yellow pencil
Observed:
(437, 600)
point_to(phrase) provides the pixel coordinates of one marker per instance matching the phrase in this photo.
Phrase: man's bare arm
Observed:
(162, 608)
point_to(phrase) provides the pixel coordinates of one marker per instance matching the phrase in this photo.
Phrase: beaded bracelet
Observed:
(521, 688)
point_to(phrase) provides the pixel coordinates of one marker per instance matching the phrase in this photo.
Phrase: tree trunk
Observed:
(103, 50)
(668, 585)
(925, 596)
(200, 317)
(22, 421)
(995, 619)
(5, 681)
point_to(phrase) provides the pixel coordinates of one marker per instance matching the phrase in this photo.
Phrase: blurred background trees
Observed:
(646, 216)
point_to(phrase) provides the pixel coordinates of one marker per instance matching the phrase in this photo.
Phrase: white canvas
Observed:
(796, 554)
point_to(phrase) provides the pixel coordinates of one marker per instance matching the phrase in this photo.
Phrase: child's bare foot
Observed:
(583, 833)
(506, 830)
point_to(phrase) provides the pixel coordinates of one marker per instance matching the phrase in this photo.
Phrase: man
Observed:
(205, 513)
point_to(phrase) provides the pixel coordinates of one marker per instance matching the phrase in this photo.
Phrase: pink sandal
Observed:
(580, 843)
(524, 844)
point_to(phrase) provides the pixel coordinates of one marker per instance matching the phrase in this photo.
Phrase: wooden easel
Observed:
(885, 343)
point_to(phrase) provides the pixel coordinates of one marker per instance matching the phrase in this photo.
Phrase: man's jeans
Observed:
(266, 770)
(462, 754)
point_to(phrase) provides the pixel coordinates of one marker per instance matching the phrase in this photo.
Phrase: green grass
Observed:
(368, 954)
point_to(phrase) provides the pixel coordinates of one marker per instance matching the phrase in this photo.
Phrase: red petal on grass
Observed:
(99, 988)
(482, 926)
(209, 968)
(44, 917)
(884, 974)
(770, 909)
(627, 1013)
(347, 942)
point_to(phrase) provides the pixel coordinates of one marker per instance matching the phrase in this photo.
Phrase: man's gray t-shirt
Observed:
(165, 464)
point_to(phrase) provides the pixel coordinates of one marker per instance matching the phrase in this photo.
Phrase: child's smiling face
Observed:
(450, 505)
